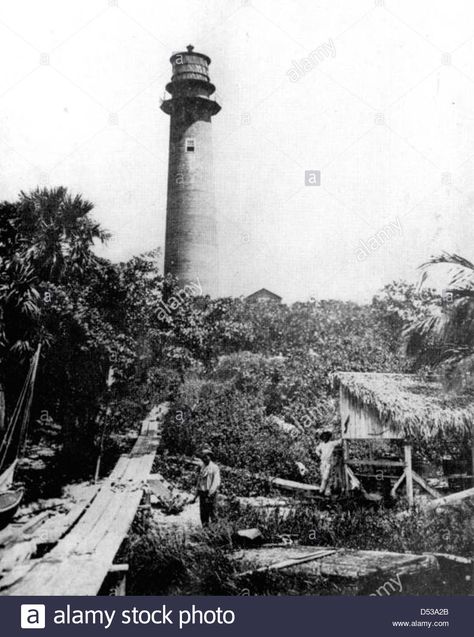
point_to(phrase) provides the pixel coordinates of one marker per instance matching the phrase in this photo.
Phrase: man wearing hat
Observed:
(208, 481)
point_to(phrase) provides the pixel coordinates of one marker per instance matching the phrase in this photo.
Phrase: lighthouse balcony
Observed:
(178, 102)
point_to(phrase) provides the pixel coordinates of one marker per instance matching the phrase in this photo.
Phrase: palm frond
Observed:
(450, 259)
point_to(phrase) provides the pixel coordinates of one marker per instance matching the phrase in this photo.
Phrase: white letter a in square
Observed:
(33, 615)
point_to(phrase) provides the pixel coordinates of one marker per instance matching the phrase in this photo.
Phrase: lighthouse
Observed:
(191, 234)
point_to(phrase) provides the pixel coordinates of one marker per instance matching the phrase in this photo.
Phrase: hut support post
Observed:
(345, 458)
(408, 474)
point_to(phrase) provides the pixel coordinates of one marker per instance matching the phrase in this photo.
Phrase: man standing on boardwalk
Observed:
(208, 482)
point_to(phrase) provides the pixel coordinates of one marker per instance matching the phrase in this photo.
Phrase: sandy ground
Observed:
(184, 522)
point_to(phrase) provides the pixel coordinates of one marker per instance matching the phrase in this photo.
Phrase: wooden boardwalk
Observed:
(80, 562)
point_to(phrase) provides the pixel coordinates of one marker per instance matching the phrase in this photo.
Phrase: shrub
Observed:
(235, 426)
(171, 564)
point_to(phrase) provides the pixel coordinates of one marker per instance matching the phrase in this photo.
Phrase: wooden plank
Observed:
(377, 463)
(93, 523)
(46, 527)
(110, 516)
(346, 563)
(454, 498)
(376, 475)
(291, 562)
(295, 486)
(397, 484)
(119, 568)
(57, 525)
(85, 525)
(459, 559)
(80, 567)
(90, 563)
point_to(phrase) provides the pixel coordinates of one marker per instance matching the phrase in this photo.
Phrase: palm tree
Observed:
(58, 233)
(46, 239)
(445, 337)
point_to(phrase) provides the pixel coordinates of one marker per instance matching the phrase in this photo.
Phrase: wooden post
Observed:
(101, 446)
(472, 454)
(408, 474)
(345, 457)
(119, 587)
(346, 486)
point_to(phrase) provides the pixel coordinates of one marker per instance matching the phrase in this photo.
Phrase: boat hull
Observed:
(9, 502)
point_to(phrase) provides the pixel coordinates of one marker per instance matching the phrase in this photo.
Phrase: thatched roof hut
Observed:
(400, 405)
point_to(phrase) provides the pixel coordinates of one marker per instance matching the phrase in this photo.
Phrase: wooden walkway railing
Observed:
(80, 562)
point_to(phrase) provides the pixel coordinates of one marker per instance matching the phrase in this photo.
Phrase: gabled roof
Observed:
(417, 406)
(263, 292)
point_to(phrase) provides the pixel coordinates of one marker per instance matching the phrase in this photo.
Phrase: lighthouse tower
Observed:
(191, 237)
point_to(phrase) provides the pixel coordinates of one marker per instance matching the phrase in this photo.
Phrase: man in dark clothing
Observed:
(208, 482)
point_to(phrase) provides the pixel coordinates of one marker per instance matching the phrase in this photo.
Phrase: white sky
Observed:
(80, 89)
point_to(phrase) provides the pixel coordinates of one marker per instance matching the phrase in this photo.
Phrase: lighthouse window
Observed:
(190, 145)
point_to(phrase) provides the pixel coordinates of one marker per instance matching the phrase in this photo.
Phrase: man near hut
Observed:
(329, 454)
(207, 485)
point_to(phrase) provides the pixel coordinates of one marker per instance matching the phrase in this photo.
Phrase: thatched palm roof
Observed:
(417, 406)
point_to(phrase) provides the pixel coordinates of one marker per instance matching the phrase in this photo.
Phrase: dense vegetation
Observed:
(230, 365)
(164, 563)
(250, 379)
(93, 319)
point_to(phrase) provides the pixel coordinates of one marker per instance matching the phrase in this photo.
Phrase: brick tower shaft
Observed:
(191, 234)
